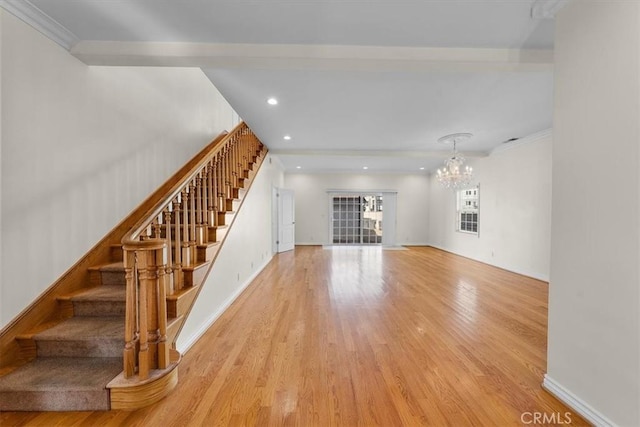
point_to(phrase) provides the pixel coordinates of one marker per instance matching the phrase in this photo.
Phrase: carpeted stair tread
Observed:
(104, 300)
(59, 384)
(114, 266)
(108, 274)
(83, 336)
(102, 293)
(85, 328)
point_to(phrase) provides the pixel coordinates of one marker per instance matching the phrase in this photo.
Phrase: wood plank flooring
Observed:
(361, 337)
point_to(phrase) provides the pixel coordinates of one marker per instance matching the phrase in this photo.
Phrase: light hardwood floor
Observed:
(361, 336)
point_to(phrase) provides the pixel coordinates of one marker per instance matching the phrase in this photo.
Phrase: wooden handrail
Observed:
(137, 229)
(163, 244)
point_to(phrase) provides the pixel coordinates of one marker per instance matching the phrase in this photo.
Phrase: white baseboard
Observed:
(585, 410)
(215, 315)
(330, 244)
(542, 278)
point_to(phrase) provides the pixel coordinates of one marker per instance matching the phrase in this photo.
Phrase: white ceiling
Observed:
(359, 83)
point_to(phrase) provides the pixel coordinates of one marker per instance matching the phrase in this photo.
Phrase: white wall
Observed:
(515, 210)
(594, 296)
(312, 203)
(81, 147)
(245, 252)
(1, 269)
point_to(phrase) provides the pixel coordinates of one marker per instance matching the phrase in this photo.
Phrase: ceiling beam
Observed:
(377, 153)
(302, 57)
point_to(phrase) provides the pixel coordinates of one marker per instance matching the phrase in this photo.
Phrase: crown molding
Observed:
(30, 14)
(525, 140)
(547, 9)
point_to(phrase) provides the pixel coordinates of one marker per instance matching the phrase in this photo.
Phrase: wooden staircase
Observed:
(111, 342)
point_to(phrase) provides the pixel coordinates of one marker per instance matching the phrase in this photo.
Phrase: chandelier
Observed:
(454, 175)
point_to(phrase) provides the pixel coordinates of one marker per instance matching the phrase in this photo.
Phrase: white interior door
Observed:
(286, 220)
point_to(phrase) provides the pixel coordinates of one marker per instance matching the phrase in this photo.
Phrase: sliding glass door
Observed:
(356, 219)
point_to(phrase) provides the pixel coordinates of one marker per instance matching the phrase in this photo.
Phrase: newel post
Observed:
(146, 315)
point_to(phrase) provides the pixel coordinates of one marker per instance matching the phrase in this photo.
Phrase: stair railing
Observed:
(164, 242)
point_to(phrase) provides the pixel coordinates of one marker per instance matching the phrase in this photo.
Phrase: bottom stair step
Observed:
(60, 384)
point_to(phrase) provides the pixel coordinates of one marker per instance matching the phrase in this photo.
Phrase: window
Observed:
(467, 212)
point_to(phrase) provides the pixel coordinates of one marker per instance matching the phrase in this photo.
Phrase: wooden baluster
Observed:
(251, 151)
(146, 234)
(245, 155)
(198, 209)
(192, 219)
(211, 214)
(205, 200)
(220, 187)
(223, 181)
(156, 227)
(169, 282)
(199, 199)
(236, 164)
(203, 203)
(229, 177)
(239, 169)
(177, 265)
(186, 252)
(241, 156)
(131, 317)
(214, 188)
(232, 160)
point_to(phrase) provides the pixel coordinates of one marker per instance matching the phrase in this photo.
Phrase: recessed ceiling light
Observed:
(422, 168)
(272, 101)
(287, 137)
(298, 167)
(365, 167)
